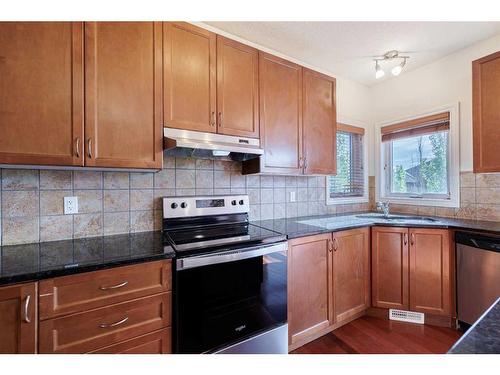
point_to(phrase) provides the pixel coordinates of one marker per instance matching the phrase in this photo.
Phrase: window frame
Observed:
(383, 154)
(364, 197)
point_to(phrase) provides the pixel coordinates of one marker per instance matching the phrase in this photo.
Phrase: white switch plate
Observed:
(292, 196)
(70, 205)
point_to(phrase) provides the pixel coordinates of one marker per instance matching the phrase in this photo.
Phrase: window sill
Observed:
(423, 201)
(347, 200)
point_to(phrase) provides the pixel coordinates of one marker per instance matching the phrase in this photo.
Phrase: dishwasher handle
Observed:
(478, 240)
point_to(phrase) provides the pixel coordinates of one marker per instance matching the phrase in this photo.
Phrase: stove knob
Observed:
(174, 205)
(233, 203)
(184, 204)
(241, 202)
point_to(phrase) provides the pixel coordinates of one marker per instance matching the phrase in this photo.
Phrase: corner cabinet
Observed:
(486, 113)
(412, 269)
(18, 319)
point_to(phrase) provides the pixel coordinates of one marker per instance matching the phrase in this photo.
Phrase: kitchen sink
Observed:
(398, 218)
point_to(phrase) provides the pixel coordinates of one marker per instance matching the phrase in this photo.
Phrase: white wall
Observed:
(446, 81)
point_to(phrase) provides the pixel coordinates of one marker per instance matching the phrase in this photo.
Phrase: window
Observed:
(416, 161)
(348, 185)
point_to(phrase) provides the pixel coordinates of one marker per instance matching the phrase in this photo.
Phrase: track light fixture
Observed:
(390, 56)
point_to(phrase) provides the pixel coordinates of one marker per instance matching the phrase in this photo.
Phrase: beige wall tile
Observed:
(159, 194)
(266, 181)
(426, 210)
(52, 201)
(467, 179)
(17, 230)
(20, 203)
(116, 222)
(168, 162)
(141, 180)
(487, 180)
(467, 195)
(87, 225)
(89, 201)
(238, 181)
(55, 180)
(87, 180)
(488, 212)
(266, 196)
(116, 200)
(466, 211)
(204, 164)
(253, 181)
(57, 227)
(222, 179)
(185, 178)
(204, 179)
(116, 180)
(222, 165)
(445, 211)
(164, 179)
(279, 181)
(141, 200)
(141, 221)
(20, 179)
(279, 195)
(488, 195)
(185, 163)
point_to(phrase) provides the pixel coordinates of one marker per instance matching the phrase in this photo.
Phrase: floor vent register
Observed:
(406, 316)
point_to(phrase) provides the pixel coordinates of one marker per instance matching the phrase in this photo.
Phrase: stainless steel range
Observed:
(230, 277)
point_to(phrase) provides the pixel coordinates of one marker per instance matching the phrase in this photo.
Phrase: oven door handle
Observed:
(230, 256)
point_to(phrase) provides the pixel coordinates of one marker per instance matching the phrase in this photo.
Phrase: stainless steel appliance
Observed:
(478, 274)
(230, 277)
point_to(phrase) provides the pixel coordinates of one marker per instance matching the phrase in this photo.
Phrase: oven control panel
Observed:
(190, 206)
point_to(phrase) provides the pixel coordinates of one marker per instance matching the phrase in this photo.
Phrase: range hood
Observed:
(184, 143)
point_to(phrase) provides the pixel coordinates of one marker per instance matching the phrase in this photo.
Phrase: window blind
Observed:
(420, 126)
(350, 180)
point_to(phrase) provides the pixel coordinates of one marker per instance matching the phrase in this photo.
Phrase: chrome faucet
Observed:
(384, 206)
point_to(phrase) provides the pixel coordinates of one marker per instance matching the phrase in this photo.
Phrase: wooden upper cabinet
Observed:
(320, 123)
(41, 93)
(486, 113)
(430, 271)
(123, 94)
(18, 319)
(390, 267)
(351, 273)
(309, 286)
(189, 58)
(237, 89)
(280, 90)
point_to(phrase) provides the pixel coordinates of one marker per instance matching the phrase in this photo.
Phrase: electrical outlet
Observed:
(292, 196)
(70, 205)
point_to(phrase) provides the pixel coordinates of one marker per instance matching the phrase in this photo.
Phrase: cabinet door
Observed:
(18, 319)
(351, 273)
(158, 342)
(123, 106)
(430, 271)
(390, 267)
(280, 85)
(320, 123)
(237, 89)
(309, 286)
(486, 113)
(189, 73)
(41, 93)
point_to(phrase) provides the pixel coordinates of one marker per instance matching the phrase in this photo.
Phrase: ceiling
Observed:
(347, 48)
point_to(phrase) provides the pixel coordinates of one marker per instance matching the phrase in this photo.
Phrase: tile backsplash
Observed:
(32, 207)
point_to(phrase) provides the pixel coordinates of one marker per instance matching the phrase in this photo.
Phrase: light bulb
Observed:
(396, 70)
(379, 73)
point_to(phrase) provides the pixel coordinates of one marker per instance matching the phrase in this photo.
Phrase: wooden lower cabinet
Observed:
(158, 342)
(18, 318)
(309, 286)
(351, 273)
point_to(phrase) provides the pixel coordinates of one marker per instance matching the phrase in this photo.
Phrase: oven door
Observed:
(226, 298)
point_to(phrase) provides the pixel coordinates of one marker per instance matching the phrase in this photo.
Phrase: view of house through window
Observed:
(349, 181)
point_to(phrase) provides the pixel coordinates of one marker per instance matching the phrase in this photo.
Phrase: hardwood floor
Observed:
(370, 335)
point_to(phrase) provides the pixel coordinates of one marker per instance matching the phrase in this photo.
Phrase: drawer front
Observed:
(84, 332)
(158, 342)
(77, 293)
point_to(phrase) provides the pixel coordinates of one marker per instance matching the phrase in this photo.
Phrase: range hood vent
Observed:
(187, 143)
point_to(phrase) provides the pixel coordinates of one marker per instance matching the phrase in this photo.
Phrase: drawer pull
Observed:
(117, 286)
(26, 307)
(109, 325)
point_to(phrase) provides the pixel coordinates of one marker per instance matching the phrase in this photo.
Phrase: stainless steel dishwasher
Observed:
(478, 274)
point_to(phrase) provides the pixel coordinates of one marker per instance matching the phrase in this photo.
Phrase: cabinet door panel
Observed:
(18, 319)
(390, 267)
(123, 77)
(430, 271)
(351, 273)
(320, 123)
(280, 91)
(190, 77)
(309, 286)
(237, 89)
(486, 113)
(158, 342)
(41, 93)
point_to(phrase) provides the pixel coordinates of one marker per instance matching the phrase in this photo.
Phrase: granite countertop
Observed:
(43, 260)
(310, 225)
(484, 335)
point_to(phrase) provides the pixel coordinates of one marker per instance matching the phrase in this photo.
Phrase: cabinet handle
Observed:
(305, 163)
(117, 286)
(212, 122)
(330, 246)
(109, 325)
(412, 240)
(301, 162)
(220, 119)
(89, 147)
(335, 244)
(405, 239)
(26, 308)
(77, 147)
